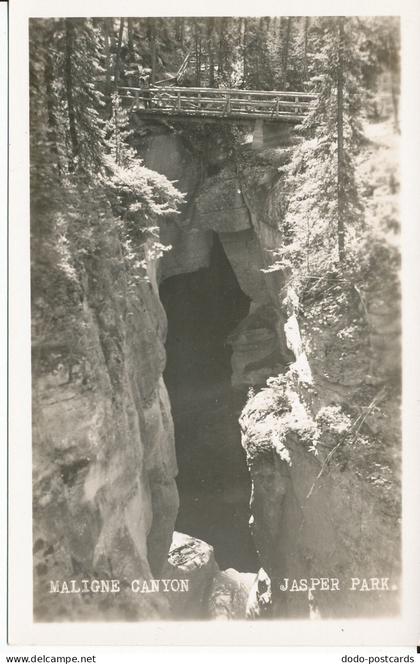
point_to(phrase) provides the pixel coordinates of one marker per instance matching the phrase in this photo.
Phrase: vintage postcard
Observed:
(207, 267)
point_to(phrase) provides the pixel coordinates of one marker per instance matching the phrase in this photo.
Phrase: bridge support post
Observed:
(258, 134)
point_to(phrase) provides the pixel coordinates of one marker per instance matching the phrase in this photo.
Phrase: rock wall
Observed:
(217, 202)
(105, 498)
(315, 516)
(323, 441)
(164, 151)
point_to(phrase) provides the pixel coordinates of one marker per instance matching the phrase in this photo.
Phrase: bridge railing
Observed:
(220, 102)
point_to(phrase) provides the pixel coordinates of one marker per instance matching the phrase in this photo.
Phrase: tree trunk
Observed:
(244, 51)
(179, 30)
(181, 35)
(340, 144)
(220, 58)
(117, 136)
(395, 100)
(197, 54)
(153, 50)
(130, 42)
(305, 48)
(107, 49)
(210, 51)
(286, 48)
(49, 79)
(68, 83)
(118, 55)
(393, 64)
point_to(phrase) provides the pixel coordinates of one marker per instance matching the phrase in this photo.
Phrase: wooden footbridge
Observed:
(219, 103)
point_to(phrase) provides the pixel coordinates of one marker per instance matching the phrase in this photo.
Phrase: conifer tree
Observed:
(324, 207)
(80, 161)
(117, 132)
(258, 72)
(83, 56)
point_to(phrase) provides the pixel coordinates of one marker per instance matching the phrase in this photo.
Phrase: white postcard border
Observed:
(22, 629)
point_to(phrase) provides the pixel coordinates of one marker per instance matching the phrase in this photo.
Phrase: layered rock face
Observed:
(218, 203)
(323, 443)
(105, 498)
(317, 512)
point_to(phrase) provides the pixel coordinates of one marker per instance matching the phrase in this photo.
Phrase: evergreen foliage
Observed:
(325, 219)
(87, 184)
(80, 131)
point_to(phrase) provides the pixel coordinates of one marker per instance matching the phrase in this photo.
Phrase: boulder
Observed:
(259, 598)
(229, 594)
(193, 560)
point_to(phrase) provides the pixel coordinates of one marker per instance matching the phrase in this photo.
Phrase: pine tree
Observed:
(118, 132)
(83, 55)
(258, 70)
(86, 180)
(325, 208)
(383, 40)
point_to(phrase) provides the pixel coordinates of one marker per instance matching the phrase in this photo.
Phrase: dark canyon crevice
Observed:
(203, 308)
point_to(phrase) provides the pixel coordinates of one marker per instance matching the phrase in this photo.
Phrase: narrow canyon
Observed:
(196, 420)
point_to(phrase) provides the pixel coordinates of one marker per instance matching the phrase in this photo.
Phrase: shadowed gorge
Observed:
(203, 308)
(215, 316)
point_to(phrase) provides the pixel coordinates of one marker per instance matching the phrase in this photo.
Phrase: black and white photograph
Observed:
(215, 307)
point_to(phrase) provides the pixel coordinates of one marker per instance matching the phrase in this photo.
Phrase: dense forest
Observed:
(303, 230)
(80, 134)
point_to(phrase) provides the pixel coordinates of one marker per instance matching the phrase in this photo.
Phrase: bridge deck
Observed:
(219, 103)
